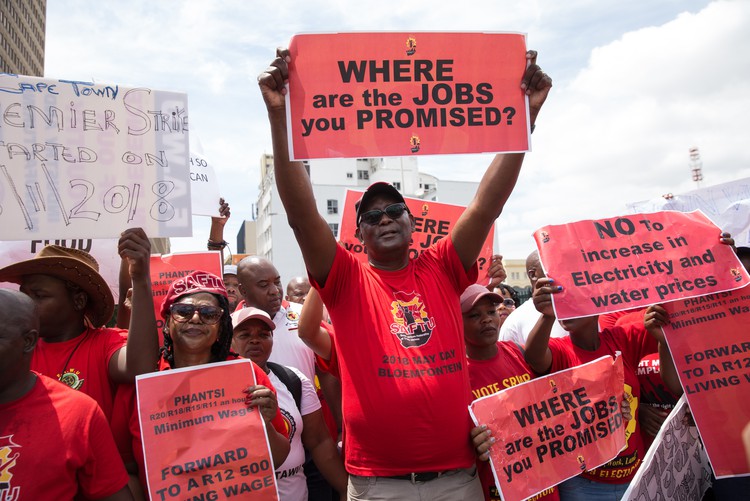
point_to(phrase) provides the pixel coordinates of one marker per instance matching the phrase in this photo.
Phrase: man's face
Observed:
(297, 291)
(56, 305)
(387, 235)
(232, 284)
(534, 270)
(260, 286)
(253, 339)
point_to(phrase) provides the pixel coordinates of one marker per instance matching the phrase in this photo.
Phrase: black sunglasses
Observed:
(393, 211)
(509, 303)
(184, 312)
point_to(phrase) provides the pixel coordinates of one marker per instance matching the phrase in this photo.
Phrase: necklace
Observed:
(71, 378)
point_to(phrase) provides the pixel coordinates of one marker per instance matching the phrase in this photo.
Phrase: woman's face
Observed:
(195, 332)
(482, 324)
(503, 310)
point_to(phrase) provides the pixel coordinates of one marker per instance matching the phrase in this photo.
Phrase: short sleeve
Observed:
(310, 400)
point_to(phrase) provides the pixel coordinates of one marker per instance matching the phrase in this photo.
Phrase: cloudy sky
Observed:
(636, 84)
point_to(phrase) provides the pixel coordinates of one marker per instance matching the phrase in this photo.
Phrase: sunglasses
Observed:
(509, 303)
(183, 312)
(393, 211)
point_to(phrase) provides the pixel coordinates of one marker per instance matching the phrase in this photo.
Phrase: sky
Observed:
(636, 84)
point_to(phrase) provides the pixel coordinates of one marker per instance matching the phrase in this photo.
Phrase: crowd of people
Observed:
(364, 371)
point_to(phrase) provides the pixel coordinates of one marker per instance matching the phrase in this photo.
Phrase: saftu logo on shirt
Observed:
(7, 461)
(411, 323)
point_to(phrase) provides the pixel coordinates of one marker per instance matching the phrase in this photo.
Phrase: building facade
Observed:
(22, 29)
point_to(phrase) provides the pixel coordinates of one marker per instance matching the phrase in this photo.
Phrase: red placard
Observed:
(707, 337)
(167, 268)
(354, 95)
(434, 221)
(554, 427)
(637, 260)
(199, 439)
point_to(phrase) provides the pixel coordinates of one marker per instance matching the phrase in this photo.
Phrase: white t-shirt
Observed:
(519, 323)
(290, 477)
(288, 348)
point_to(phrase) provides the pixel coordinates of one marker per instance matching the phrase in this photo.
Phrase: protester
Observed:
(493, 365)
(297, 290)
(508, 303)
(254, 339)
(74, 302)
(232, 284)
(56, 443)
(395, 317)
(519, 323)
(198, 330)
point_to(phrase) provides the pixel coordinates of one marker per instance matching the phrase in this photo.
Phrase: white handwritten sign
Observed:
(87, 160)
(204, 186)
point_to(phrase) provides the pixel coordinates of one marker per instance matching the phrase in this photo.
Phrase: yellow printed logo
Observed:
(71, 377)
(7, 461)
(411, 323)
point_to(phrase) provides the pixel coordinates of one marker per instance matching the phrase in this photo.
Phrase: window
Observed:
(397, 185)
(334, 228)
(350, 175)
(363, 174)
(333, 206)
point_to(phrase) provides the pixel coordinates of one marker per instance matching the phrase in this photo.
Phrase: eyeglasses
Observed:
(184, 312)
(393, 211)
(509, 303)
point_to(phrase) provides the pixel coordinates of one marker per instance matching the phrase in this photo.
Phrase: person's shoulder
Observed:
(61, 394)
(106, 334)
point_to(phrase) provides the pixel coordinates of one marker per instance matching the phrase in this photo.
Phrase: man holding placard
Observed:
(400, 346)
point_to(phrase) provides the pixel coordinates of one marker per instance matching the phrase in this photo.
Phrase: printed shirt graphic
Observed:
(400, 352)
(505, 370)
(634, 342)
(411, 323)
(288, 348)
(87, 369)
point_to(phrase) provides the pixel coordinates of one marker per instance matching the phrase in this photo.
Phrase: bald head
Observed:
(17, 311)
(534, 268)
(297, 289)
(260, 284)
(19, 331)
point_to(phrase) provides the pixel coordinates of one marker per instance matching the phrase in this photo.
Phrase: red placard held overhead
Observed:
(554, 427)
(637, 260)
(199, 439)
(433, 221)
(355, 95)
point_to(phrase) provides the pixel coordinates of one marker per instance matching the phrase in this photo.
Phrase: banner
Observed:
(554, 427)
(199, 439)
(358, 95)
(708, 339)
(633, 261)
(434, 221)
(165, 269)
(726, 204)
(675, 467)
(88, 160)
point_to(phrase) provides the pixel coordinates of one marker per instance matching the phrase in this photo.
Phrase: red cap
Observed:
(474, 293)
(195, 282)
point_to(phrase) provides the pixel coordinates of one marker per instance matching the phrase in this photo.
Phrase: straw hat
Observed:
(75, 266)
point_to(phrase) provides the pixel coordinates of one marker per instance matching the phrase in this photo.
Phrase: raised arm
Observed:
(141, 353)
(216, 233)
(309, 329)
(314, 237)
(498, 181)
(656, 317)
(537, 353)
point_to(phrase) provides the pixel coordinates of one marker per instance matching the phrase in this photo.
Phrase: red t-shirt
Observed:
(87, 367)
(401, 355)
(653, 390)
(507, 368)
(55, 442)
(634, 342)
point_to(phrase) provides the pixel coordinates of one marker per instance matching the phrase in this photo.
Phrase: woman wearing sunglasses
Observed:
(198, 330)
(509, 301)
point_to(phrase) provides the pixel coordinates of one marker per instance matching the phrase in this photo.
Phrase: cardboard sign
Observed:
(632, 261)
(166, 268)
(355, 95)
(199, 439)
(554, 427)
(434, 221)
(87, 160)
(708, 339)
(726, 204)
(675, 467)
